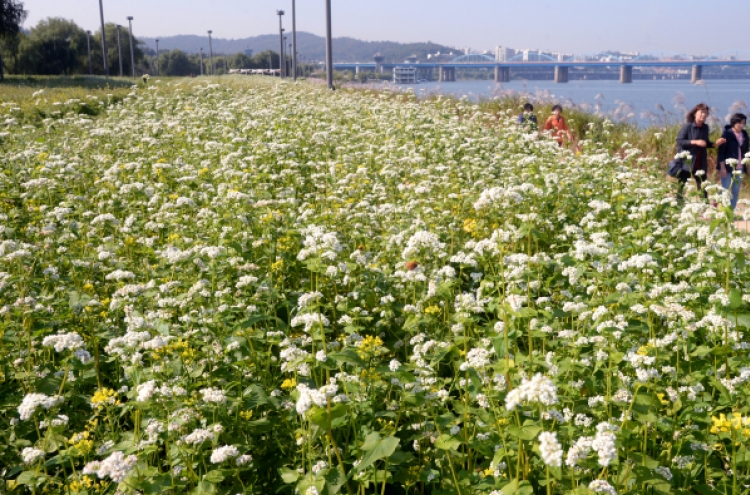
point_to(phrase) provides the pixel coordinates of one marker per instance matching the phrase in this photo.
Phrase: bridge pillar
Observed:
(561, 74)
(697, 73)
(441, 73)
(502, 74)
(626, 74)
(356, 69)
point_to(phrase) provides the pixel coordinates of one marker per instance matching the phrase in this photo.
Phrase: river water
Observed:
(645, 102)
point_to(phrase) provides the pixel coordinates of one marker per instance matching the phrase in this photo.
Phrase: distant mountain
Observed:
(309, 46)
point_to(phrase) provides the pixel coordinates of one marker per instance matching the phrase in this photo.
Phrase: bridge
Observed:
(561, 66)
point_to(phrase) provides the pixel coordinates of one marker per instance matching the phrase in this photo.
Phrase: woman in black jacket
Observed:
(737, 144)
(693, 138)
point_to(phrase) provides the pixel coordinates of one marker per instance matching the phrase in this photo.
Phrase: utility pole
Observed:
(294, 40)
(210, 54)
(119, 49)
(282, 63)
(157, 57)
(104, 40)
(329, 48)
(88, 44)
(201, 61)
(132, 50)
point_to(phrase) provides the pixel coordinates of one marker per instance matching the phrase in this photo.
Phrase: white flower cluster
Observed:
(120, 275)
(213, 395)
(116, 467)
(539, 389)
(198, 436)
(32, 402)
(603, 443)
(309, 320)
(550, 449)
(602, 486)
(31, 455)
(318, 242)
(63, 341)
(476, 358)
(223, 454)
(309, 397)
(422, 242)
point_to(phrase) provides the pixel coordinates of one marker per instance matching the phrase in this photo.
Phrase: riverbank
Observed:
(614, 131)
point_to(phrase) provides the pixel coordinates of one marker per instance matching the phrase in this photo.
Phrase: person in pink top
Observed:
(731, 154)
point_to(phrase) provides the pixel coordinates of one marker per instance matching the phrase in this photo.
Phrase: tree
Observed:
(11, 17)
(177, 63)
(54, 46)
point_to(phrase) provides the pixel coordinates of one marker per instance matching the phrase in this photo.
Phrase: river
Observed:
(644, 102)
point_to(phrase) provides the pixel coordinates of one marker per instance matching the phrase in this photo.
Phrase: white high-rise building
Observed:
(503, 53)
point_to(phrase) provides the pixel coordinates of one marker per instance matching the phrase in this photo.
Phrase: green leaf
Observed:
(289, 475)
(31, 478)
(377, 448)
(348, 356)
(258, 396)
(335, 479)
(214, 476)
(257, 319)
(204, 487)
(735, 298)
(447, 442)
(707, 490)
(518, 488)
(527, 432)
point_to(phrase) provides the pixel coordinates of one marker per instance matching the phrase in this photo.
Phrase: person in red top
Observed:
(556, 122)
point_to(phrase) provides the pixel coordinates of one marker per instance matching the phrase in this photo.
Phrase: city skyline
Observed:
(478, 24)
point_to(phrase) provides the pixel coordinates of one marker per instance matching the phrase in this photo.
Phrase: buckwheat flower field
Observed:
(262, 287)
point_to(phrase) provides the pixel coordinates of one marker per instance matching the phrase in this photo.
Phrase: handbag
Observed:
(675, 167)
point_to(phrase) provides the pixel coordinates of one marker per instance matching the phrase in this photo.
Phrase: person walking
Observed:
(527, 120)
(730, 155)
(556, 123)
(693, 138)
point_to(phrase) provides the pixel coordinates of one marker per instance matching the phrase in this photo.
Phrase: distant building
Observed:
(248, 52)
(404, 75)
(503, 53)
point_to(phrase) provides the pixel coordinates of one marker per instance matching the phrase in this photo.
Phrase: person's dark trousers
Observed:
(682, 180)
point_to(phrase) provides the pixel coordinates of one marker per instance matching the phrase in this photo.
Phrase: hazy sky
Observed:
(572, 26)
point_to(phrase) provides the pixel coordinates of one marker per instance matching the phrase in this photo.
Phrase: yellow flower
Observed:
(432, 310)
(104, 396)
(246, 415)
(277, 266)
(289, 383)
(469, 225)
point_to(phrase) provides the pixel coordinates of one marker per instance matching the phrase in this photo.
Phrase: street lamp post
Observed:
(210, 54)
(281, 45)
(132, 50)
(291, 60)
(201, 61)
(294, 40)
(104, 40)
(329, 48)
(157, 57)
(119, 49)
(88, 44)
